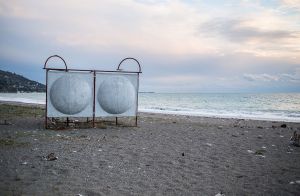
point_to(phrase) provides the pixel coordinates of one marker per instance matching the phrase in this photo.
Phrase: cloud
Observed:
(283, 77)
(292, 4)
(237, 30)
(260, 77)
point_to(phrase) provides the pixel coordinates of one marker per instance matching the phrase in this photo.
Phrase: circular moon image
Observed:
(116, 95)
(70, 94)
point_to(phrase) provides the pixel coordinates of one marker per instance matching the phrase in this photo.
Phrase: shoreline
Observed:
(173, 113)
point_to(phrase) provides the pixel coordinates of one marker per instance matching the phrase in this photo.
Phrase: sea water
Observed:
(264, 106)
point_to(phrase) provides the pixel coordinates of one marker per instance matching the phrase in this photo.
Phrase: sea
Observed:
(258, 106)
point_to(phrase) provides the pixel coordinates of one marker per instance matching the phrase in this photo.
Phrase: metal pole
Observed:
(116, 120)
(46, 117)
(137, 98)
(94, 94)
(136, 120)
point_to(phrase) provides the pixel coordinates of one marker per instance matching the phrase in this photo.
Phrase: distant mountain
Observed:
(12, 83)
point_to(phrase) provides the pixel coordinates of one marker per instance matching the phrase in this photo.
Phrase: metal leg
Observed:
(136, 118)
(116, 120)
(67, 121)
(46, 122)
(94, 94)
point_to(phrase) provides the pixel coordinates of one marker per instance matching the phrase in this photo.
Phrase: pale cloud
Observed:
(261, 77)
(283, 77)
(158, 26)
(295, 4)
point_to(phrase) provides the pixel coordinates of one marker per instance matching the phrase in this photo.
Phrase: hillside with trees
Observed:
(12, 83)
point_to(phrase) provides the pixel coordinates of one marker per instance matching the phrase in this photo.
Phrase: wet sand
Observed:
(164, 155)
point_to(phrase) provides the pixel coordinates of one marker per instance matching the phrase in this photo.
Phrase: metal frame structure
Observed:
(94, 84)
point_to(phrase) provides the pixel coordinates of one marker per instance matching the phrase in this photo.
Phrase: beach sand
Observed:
(164, 155)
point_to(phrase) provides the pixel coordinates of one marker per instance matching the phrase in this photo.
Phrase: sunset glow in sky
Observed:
(183, 45)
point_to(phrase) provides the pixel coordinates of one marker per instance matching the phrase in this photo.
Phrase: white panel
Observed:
(116, 94)
(70, 94)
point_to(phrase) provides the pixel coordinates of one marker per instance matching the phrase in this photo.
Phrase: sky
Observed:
(183, 45)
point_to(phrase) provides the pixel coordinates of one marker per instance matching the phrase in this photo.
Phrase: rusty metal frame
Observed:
(94, 85)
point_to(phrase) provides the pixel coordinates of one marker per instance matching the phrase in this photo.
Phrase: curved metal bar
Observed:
(57, 57)
(130, 58)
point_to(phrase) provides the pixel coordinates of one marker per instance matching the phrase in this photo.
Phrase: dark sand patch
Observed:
(164, 155)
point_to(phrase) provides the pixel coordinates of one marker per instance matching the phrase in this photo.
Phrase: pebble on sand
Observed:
(292, 182)
(250, 151)
(295, 182)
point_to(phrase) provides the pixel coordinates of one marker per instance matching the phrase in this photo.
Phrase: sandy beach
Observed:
(164, 155)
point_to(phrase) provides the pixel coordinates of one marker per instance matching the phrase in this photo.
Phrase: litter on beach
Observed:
(50, 157)
(295, 182)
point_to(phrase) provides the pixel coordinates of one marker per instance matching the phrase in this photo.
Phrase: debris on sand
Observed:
(50, 157)
(295, 139)
(283, 126)
(260, 152)
(259, 136)
(208, 144)
(220, 194)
